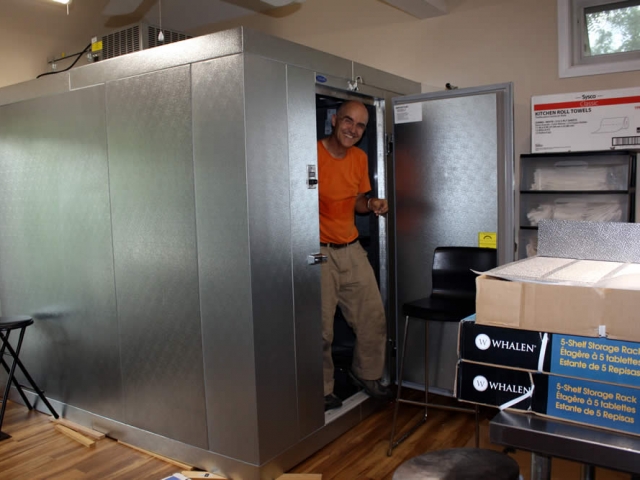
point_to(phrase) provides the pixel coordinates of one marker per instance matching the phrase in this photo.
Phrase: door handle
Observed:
(316, 259)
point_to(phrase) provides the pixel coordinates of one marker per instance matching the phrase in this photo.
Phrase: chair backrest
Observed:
(451, 274)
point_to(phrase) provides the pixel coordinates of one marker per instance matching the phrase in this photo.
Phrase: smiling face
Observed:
(349, 123)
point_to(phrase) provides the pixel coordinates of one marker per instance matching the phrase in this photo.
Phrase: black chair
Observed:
(18, 324)
(452, 298)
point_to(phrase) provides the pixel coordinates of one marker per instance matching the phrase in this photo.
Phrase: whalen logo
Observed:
(480, 383)
(483, 342)
(504, 345)
(505, 387)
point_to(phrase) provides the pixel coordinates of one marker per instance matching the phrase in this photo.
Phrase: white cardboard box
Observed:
(598, 120)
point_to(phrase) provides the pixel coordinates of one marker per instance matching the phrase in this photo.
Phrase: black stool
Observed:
(8, 325)
(453, 298)
(459, 464)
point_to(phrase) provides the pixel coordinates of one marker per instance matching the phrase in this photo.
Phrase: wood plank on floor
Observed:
(37, 451)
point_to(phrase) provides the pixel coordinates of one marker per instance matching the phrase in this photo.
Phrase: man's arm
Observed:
(379, 206)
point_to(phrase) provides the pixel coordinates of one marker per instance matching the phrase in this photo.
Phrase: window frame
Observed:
(570, 61)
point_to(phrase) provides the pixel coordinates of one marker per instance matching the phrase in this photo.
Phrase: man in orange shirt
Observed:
(347, 277)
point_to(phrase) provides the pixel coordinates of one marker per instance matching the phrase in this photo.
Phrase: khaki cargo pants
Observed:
(348, 281)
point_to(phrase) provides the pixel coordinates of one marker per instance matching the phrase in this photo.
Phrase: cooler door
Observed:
(453, 165)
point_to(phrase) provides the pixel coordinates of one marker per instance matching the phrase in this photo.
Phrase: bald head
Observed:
(349, 124)
(353, 106)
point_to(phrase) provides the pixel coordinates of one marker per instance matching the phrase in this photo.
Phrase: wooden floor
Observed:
(37, 451)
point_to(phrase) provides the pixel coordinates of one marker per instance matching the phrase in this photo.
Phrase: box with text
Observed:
(598, 120)
(614, 407)
(599, 359)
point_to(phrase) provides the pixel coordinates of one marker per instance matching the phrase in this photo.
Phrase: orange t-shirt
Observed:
(340, 180)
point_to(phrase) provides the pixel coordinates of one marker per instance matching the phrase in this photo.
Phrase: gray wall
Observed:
(157, 227)
(101, 249)
(154, 241)
(56, 251)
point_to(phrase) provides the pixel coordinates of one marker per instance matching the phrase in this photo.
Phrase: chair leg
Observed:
(392, 445)
(426, 366)
(12, 371)
(34, 386)
(477, 414)
(17, 385)
(6, 367)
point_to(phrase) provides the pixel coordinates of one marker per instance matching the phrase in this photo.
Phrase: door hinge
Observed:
(388, 140)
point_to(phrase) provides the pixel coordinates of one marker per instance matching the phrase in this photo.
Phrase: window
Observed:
(598, 36)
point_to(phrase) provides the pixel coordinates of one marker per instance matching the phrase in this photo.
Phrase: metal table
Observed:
(547, 438)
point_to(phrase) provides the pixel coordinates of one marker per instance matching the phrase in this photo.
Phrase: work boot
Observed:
(331, 402)
(373, 388)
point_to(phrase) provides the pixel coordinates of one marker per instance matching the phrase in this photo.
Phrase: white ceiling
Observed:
(85, 17)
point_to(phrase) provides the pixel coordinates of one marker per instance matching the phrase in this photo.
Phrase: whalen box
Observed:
(600, 359)
(613, 407)
(598, 120)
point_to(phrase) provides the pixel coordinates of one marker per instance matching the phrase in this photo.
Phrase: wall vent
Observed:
(135, 38)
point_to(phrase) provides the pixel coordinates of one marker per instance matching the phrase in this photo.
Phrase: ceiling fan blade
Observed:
(120, 7)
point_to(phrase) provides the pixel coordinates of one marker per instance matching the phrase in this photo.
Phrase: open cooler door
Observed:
(453, 179)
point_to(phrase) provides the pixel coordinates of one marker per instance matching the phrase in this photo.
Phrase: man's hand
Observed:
(379, 206)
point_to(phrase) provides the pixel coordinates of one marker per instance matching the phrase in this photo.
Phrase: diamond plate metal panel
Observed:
(305, 239)
(446, 174)
(153, 212)
(49, 85)
(224, 258)
(274, 48)
(270, 246)
(609, 241)
(56, 259)
(385, 80)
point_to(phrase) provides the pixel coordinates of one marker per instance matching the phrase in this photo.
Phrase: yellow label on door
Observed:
(96, 46)
(488, 239)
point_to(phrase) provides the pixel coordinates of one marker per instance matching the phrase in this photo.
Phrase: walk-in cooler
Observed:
(159, 221)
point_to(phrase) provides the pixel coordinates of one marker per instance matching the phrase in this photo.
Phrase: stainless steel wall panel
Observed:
(56, 259)
(446, 192)
(294, 54)
(48, 85)
(385, 80)
(224, 257)
(153, 212)
(184, 52)
(270, 250)
(305, 238)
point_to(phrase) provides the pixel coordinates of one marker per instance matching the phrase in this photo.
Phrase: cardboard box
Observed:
(613, 407)
(584, 281)
(598, 120)
(572, 310)
(599, 359)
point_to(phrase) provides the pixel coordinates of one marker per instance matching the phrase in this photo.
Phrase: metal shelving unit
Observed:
(589, 186)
